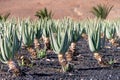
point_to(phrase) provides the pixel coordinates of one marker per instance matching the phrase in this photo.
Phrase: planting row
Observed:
(60, 36)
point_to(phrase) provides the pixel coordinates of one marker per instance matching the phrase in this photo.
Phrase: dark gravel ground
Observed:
(85, 67)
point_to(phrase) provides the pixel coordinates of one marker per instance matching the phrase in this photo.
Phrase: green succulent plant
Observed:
(9, 45)
(46, 33)
(4, 17)
(46, 25)
(111, 61)
(116, 23)
(38, 29)
(10, 30)
(61, 39)
(28, 33)
(61, 42)
(41, 53)
(77, 31)
(101, 11)
(94, 41)
(41, 14)
(110, 30)
(69, 67)
(94, 37)
(103, 34)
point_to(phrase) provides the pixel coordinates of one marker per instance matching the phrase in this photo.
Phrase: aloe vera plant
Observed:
(8, 28)
(110, 32)
(4, 17)
(101, 11)
(94, 37)
(27, 33)
(9, 45)
(103, 34)
(60, 43)
(117, 28)
(76, 33)
(85, 27)
(38, 33)
(41, 14)
(94, 40)
(63, 35)
(116, 23)
(46, 26)
(38, 29)
(28, 36)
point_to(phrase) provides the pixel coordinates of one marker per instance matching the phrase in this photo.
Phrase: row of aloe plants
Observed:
(59, 35)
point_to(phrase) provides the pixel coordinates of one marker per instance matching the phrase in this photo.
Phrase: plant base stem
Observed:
(13, 67)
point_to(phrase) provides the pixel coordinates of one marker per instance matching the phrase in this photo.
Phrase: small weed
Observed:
(41, 53)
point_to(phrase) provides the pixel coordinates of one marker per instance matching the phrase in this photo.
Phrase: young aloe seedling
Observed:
(25, 61)
(41, 53)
